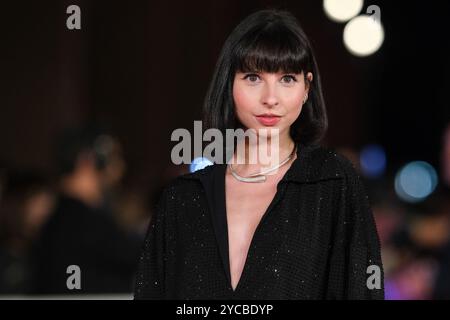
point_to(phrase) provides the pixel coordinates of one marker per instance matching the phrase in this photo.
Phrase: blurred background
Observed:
(86, 118)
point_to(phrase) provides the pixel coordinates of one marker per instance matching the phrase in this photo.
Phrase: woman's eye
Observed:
(252, 77)
(289, 79)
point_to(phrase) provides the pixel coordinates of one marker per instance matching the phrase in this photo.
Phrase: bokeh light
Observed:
(415, 181)
(342, 10)
(363, 35)
(199, 163)
(373, 161)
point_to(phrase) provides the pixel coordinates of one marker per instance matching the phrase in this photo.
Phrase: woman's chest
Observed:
(246, 204)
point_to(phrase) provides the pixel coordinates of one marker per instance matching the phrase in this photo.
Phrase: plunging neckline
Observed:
(223, 204)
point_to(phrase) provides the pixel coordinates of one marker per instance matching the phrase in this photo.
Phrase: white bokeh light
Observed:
(199, 163)
(342, 10)
(363, 35)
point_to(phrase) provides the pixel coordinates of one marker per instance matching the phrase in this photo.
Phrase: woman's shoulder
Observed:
(328, 161)
(188, 182)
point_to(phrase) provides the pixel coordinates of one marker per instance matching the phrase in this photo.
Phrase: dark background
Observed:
(142, 70)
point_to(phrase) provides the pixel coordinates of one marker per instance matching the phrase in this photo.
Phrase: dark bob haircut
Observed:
(266, 41)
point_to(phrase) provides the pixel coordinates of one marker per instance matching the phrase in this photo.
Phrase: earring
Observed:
(306, 98)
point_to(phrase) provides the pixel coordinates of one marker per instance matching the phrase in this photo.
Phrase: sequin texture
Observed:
(316, 242)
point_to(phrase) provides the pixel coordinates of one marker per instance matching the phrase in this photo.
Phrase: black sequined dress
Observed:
(317, 239)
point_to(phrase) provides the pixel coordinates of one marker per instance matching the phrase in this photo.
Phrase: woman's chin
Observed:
(268, 132)
(265, 132)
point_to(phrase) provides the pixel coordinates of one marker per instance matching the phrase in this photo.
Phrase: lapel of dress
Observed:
(213, 182)
(307, 168)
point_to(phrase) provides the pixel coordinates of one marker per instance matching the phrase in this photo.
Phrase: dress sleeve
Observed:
(355, 270)
(150, 277)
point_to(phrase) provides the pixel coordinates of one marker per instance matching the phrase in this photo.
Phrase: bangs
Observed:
(269, 41)
(272, 49)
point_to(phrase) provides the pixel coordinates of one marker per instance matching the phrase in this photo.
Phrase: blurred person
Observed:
(442, 283)
(413, 281)
(419, 253)
(390, 219)
(26, 205)
(81, 231)
(244, 232)
(442, 288)
(113, 170)
(131, 210)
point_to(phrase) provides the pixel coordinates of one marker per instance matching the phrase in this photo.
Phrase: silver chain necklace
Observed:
(261, 176)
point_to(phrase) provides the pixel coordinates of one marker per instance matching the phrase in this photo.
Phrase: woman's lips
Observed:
(268, 120)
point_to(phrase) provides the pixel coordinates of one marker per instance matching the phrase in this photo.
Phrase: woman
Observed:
(301, 228)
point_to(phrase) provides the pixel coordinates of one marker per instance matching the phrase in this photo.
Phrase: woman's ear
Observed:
(309, 78)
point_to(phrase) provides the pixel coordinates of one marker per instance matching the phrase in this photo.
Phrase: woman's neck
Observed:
(261, 153)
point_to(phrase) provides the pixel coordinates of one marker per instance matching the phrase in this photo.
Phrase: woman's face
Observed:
(269, 100)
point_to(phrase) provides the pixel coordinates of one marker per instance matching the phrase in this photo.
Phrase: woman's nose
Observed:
(269, 96)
